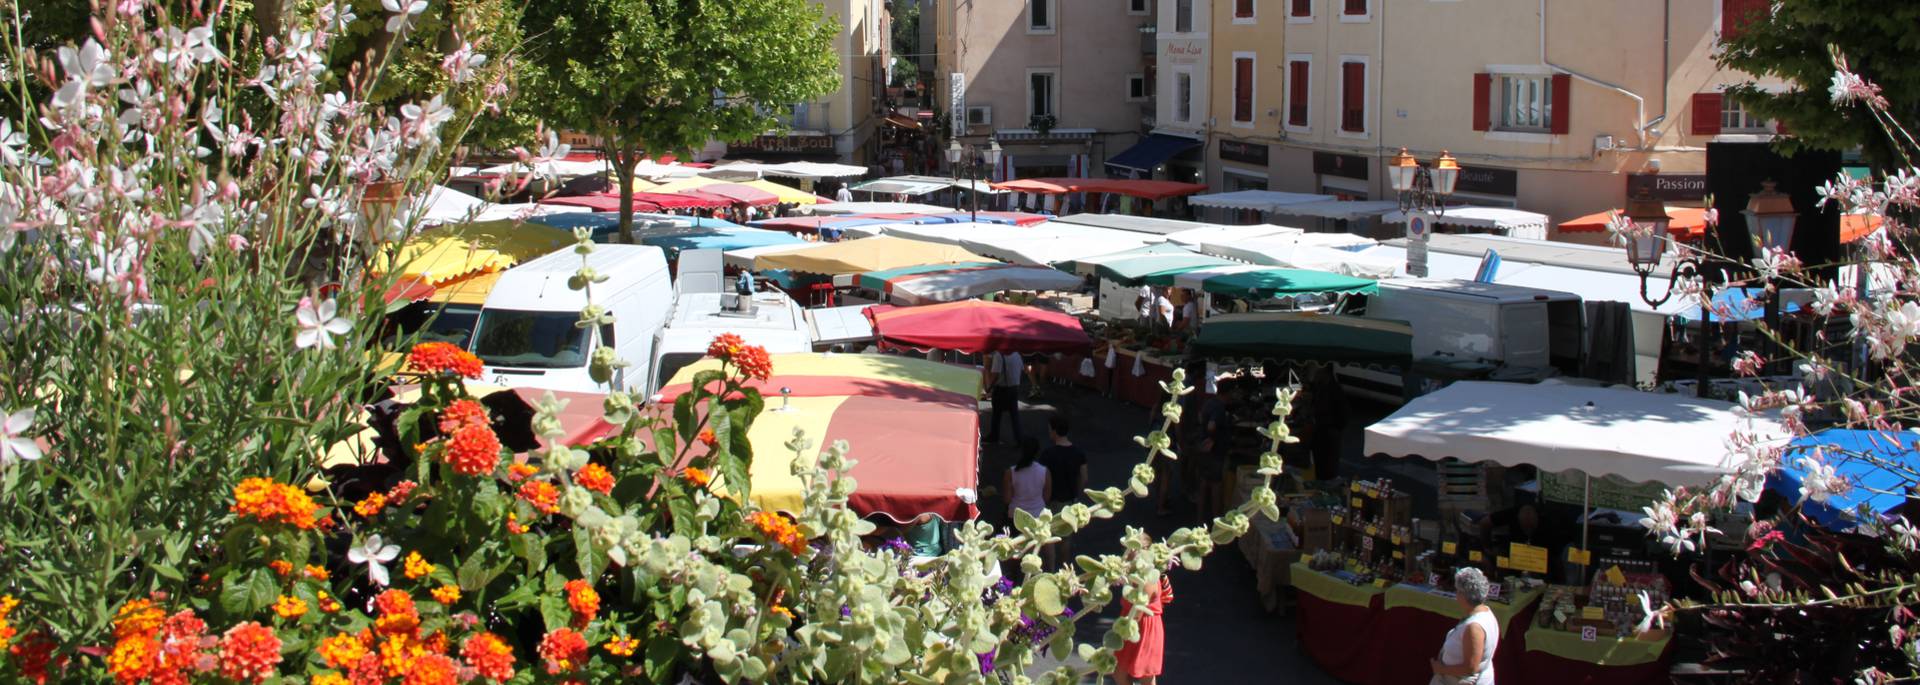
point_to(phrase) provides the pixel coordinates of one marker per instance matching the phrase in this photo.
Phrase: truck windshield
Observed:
(538, 340)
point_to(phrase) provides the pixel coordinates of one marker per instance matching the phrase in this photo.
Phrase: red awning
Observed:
(1685, 223)
(408, 289)
(903, 122)
(600, 202)
(742, 194)
(1856, 226)
(1149, 190)
(974, 326)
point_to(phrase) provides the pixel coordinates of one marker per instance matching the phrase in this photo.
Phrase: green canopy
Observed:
(1285, 283)
(1303, 336)
(1156, 264)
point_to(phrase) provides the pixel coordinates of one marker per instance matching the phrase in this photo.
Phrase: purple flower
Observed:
(986, 661)
(900, 545)
(845, 611)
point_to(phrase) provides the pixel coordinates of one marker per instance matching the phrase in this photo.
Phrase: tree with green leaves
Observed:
(1795, 42)
(667, 76)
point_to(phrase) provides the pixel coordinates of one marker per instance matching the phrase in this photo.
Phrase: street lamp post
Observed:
(1772, 218)
(976, 157)
(1647, 240)
(1422, 191)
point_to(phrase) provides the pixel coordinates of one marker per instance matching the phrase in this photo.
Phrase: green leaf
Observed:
(592, 559)
(1046, 596)
(683, 418)
(262, 590)
(554, 611)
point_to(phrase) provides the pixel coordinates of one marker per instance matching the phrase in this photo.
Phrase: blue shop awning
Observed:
(1855, 455)
(1146, 155)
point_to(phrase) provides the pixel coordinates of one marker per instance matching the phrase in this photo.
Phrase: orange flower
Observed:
(621, 646)
(138, 618)
(270, 502)
(281, 567)
(371, 506)
(7, 604)
(289, 607)
(489, 656)
(439, 357)
(754, 362)
(725, 346)
(397, 654)
(446, 594)
(777, 529)
(463, 413)
(584, 602)
(342, 650)
(520, 472)
(134, 658)
(31, 655)
(564, 650)
(696, 476)
(594, 477)
(542, 495)
(398, 616)
(707, 437)
(316, 572)
(783, 611)
(249, 652)
(400, 491)
(328, 604)
(329, 679)
(513, 524)
(433, 669)
(417, 566)
(473, 450)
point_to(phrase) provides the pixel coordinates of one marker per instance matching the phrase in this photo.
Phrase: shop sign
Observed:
(1344, 166)
(957, 93)
(1185, 51)
(1608, 492)
(1671, 187)
(1527, 558)
(1488, 181)
(790, 144)
(1245, 153)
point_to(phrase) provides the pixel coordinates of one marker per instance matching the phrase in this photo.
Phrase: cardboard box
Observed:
(1274, 575)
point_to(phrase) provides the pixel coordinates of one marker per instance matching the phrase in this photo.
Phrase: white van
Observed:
(526, 334)
(705, 306)
(1468, 328)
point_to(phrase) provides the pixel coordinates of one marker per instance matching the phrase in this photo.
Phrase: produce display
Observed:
(1610, 603)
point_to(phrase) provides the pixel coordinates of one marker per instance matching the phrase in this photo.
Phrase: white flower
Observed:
(459, 66)
(375, 555)
(14, 443)
(90, 64)
(1651, 618)
(402, 10)
(1906, 535)
(318, 324)
(1818, 481)
(12, 144)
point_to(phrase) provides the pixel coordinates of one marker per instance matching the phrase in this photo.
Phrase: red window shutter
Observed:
(1560, 118)
(1482, 102)
(1297, 80)
(1243, 9)
(1357, 7)
(1353, 95)
(1780, 127)
(1706, 114)
(1302, 8)
(1243, 89)
(1735, 15)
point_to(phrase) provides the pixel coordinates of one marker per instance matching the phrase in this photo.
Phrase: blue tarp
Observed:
(1739, 304)
(1877, 488)
(721, 239)
(966, 217)
(1148, 154)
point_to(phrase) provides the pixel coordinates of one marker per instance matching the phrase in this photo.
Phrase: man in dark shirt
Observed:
(1523, 525)
(1068, 466)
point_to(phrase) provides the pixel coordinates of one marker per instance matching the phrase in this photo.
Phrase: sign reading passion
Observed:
(1679, 187)
(803, 143)
(1245, 153)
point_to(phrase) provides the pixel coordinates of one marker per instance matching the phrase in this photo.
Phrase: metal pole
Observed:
(976, 194)
(1706, 337)
(1586, 521)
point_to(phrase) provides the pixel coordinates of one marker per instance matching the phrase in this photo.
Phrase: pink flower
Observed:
(237, 242)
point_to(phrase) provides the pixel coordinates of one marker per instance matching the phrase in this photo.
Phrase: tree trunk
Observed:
(267, 17)
(625, 156)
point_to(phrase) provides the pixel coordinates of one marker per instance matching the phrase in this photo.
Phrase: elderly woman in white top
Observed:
(1467, 656)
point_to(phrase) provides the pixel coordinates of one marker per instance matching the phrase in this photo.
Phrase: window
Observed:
(1139, 6)
(1243, 9)
(1243, 88)
(1355, 8)
(800, 115)
(531, 339)
(1182, 16)
(1736, 119)
(1137, 88)
(1300, 10)
(1183, 96)
(1299, 77)
(1040, 94)
(1735, 15)
(980, 116)
(1353, 97)
(1039, 15)
(1524, 103)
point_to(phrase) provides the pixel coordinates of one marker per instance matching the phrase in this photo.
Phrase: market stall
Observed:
(863, 255)
(1860, 457)
(1198, 237)
(844, 208)
(1330, 252)
(953, 282)
(975, 326)
(1502, 220)
(1256, 200)
(1156, 264)
(1304, 336)
(912, 425)
(444, 254)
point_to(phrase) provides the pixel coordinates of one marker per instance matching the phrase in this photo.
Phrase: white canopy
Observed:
(1038, 245)
(839, 208)
(1341, 209)
(900, 186)
(556, 168)
(1312, 251)
(443, 205)
(1197, 280)
(1513, 222)
(744, 257)
(1263, 200)
(648, 168)
(1227, 234)
(964, 285)
(1558, 426)
(808, 170)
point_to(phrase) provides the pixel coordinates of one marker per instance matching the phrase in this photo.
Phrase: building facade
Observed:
(1552, 106)
(1058, 83)
(842, 126)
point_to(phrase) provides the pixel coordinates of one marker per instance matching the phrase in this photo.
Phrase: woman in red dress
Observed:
(1140, 662)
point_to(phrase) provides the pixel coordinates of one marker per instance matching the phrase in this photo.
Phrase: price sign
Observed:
(1397, 554)
(1366, 544)
(1593, 613)
(1589, 634)
(1448, 547)
(1338, 519)
(1372, 531)
(1474, 556)
(1528, 558)
(1579, 556)
(1380, 583)
(1398, 540)
(1355, 487)
(1355, 503)
(1502, 562)
(1615, 576)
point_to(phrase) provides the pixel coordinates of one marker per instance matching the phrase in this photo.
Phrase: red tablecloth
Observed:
(1342, 638)
(1417, 635)
(1144, 389)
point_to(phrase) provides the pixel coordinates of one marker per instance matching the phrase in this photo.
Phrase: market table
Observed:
(1340, 624)
(1563, 658)
(1417, 622)
(1144, 389)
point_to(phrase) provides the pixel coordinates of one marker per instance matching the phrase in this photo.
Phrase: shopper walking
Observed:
(1141, 661)
(1067, 465)
(1027, 483)
(1467, 656)
(1003, 372)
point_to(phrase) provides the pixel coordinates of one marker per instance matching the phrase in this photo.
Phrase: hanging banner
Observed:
(1609, 492)
(957, 94)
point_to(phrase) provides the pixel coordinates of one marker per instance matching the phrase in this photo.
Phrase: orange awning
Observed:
(1150, 190)
(1685, 223)
(1856, 226)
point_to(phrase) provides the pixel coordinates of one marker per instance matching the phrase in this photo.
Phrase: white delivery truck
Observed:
(1467, 329)
(526, 334)
(705, 306)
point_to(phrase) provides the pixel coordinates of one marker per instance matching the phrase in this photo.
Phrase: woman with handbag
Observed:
(1467, 656)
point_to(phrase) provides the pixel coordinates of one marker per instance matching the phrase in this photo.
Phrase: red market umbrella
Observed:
(974, 326)
(604, 202)
(746, 195)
